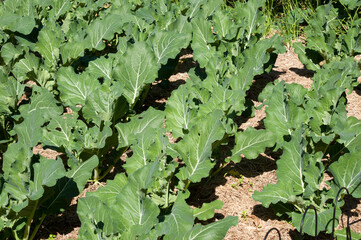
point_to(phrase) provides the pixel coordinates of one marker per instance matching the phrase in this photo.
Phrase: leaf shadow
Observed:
(358, 90)
(303, 72)
(63, 223)
(63, 218)
(171, 76)
(205, 191)
(254, 167)
(260, 82)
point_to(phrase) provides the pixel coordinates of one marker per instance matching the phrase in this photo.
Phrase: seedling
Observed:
(52, 237)
(244, 215)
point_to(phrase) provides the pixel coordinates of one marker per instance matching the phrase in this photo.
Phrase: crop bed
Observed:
(255, 220)
(175, 120)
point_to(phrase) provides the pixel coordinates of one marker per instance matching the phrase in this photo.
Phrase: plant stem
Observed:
(107, 171)
(167, 197)
(168, 186)
(187, 185)
(112, 165)
(299, 208)
(96, 170)
(96, 174)
(217, 171)
(28, 222)
(37, 226)
(15, 234)
(324, 151)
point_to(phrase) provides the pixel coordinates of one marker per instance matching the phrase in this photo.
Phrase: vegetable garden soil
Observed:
(235, 183)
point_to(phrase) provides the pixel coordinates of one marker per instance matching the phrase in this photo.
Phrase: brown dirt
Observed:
(354, 104)
(48, 153)
(254, 220)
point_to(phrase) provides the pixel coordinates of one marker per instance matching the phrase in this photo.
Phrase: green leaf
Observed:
(132, 213)
(351, 135)
(290, 174)
(293, 162)
(350, 41)
(251, 143)
(202, 37)
(144, 150)
(17, 23)
(341, 235)
(322, 42)
(101, 103)
(346, 172)
(72, 50)
(310, 58)
(103, 29)
(100, 215)
(10, 52)
(16, 160)
(95, 137)
(224, 99)
(194, 7)
(101, 67)
(181, 25)
(136, 210)
(283, 116)
(46, 173)
(10, 91)
(252, 18)
(74, 88)
(128, 132)
(136, 68)
(324, 221)
(111, 190)
(314, 172)
(29, 131)
(95, 208)
(25, 65)
(222, 23)
(167, 44)
(207, 210)
(274, 193)
(71, 185)
(213, 231)
(196, 147)
(43, 104)
(255, 58)
(319, 109)
(178, 112)
(22, 8)
(136, 27)
(59, 132)
(122, 46)
(59, 7)
(48, 45)
(212, 7)
(179, 221)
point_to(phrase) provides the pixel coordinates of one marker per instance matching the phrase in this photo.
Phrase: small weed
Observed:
(240, 180)
(52, 237)
(239, 176)
(244, 215)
